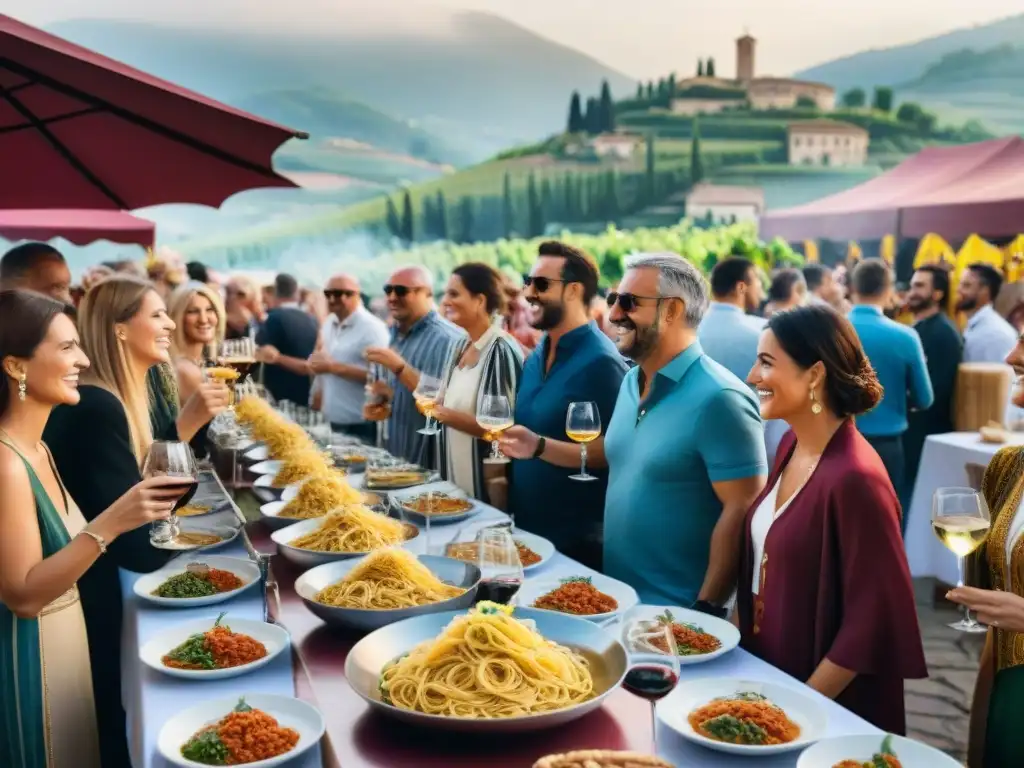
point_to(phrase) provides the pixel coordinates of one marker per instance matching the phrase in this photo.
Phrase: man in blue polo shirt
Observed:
(685, 447)
(896, 354)
(575, 362)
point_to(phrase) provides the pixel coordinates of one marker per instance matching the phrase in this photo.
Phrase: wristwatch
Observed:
(541, 443)
(710, 608)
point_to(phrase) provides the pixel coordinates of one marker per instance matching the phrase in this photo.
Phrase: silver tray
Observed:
(369, 656)
(307, 558)
(454, 572)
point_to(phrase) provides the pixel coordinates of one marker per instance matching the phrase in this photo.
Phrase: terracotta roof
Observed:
(826, 126)
(790, 81)
(715, 194)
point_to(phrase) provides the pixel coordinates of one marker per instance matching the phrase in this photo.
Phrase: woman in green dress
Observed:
(996, 736)
(47, 712)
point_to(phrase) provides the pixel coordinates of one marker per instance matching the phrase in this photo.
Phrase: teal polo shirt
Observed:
(698, 425)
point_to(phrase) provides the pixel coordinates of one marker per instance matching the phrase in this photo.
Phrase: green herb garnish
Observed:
(193, 651)
(878, 759)
(185, 585)
(576, 579)
(206, 748)
(241, 706)
(734, 730)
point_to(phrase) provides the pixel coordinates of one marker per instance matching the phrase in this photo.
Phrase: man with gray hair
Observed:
(685, 447)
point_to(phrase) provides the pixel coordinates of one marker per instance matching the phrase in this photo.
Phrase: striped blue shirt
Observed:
(427, 347)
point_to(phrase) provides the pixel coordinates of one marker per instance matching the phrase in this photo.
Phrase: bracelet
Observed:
(100, 541)
(541, 444)
(710, 608)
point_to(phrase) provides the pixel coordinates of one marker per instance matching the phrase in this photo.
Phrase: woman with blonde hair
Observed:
(199, 320)
(98, 446)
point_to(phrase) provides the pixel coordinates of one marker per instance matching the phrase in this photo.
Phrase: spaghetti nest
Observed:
(319, 495)
(744, 719)
(354, 528)
(487, 664)
(301, 464)
(385, 580)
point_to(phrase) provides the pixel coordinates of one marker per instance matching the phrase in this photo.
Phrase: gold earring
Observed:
(22, 387)
(815, 405)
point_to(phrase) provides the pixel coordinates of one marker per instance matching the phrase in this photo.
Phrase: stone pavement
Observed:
(938, 708)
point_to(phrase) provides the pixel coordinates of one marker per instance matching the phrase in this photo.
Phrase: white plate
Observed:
(801, 708)
(624, 594)
(266, 481)
(258, 453)
(289, 712)
(274, 637)
(448, 489)
(538, 544)
(724, 630)
(268, 467)
(271, 514)
(310, 558)
(244, 569)
(911, 754)
(291, 491)
(227, 535)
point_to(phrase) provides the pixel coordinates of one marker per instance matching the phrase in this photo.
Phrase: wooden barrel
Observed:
(982, 395)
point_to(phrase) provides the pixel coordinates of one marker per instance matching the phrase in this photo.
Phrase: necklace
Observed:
(807, 476)
(15, 444)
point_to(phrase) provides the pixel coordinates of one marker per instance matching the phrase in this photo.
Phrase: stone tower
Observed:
(745, 59)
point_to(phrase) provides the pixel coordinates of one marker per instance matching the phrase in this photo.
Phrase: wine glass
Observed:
(426, 393)
(652, 663)
(583, 425)
(376, 407)
(501, 570)
(494, 415)
(960, 518)
(171, 459)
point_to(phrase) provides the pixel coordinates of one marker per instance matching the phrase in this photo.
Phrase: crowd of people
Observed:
(756, 451)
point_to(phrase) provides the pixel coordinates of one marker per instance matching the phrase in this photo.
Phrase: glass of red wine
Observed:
(171, 459)
(501, 570)
(653, 662)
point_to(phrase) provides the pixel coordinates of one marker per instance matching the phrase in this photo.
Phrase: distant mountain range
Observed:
(484, 85)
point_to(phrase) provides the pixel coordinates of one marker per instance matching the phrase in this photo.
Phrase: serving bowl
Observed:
(243, 568)
(288, 711)
(726, 632)
(454, 572)
(400, 500)
(273, 636)
(307, 558)
(370, 655)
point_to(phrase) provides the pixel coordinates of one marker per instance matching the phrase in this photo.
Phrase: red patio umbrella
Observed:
(80, 130)
(78, 227)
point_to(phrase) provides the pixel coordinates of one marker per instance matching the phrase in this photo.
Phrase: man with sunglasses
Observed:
(339, 360)
(685, 446)
(574, 362)
(421, 341)
(285, 342)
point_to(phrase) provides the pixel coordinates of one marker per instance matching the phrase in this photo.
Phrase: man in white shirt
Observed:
(988, 338)
(338, 360)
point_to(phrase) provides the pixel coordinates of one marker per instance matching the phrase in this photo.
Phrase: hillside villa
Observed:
(719, 204)
(828, 143)
(708, 95)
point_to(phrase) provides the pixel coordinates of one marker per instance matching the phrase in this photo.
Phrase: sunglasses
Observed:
(338, 293)
(400, 291)
(541, 283)
(628, 301)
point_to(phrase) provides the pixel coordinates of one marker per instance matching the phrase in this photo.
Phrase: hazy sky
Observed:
(643, 38)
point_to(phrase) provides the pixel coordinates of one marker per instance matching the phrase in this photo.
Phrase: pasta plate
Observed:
(624, 595)
(273, 636)
(369, 656)
(308, 558)
(827, 752)
(244, 569)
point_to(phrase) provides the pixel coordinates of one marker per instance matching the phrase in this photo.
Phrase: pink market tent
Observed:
(80, 130)
(910, 195)
(78, 227)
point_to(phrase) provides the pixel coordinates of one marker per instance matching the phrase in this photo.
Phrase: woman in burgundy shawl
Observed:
(824, 591)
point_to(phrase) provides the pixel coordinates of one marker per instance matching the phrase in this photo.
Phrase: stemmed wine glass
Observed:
(583, 425)
(494, 415)
(960, 518)
(426, 394)
(376, 407)
(173, 460)
(501, 570)
(652, 661)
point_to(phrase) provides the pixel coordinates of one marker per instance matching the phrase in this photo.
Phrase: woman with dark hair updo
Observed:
(824, 587)
(489, 362)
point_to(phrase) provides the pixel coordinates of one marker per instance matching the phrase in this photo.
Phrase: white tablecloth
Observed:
(942, 466)
(158, 696)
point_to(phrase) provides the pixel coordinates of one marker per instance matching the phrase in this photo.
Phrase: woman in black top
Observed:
(98, 446)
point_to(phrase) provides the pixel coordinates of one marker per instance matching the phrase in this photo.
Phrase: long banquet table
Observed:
(359, 738)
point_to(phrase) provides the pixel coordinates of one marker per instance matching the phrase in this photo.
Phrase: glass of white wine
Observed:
(960, 518)
(494, 415)
(583, 425)
(426, 394)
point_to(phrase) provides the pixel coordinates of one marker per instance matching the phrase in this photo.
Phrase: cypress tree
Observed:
(611, 195)
(650, 90)
(441, 214)
(536, 213)
(607, 113)
(428, 219)
(639, 91)
(569, 206)
(672, 84)
(650, 173)
(576, 124)
(696, 161)
(710, 69)
(547, 200)
(467, 223)
(700, 67)
(508, 208)
(408, 228)
(593, 117)
(391, 219)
